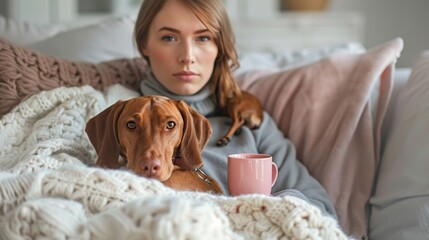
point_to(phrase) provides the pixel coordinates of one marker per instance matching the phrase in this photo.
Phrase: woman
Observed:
(189, 45)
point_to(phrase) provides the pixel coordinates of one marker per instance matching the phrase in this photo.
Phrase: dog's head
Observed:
(149, 133)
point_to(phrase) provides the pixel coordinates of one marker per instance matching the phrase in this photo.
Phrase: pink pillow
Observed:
(325, 109)
(24, 72)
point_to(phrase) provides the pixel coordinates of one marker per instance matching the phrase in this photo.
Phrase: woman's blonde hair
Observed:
(213, 15)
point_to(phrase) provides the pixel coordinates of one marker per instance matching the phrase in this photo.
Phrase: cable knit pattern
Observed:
(24, 72)
(48, 189)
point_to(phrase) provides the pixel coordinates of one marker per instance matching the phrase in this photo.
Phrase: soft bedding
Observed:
(48, 190)
(401, 193)
(45, 157)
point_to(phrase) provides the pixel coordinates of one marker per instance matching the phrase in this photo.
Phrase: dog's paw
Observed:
(236, 133)
(223, 141)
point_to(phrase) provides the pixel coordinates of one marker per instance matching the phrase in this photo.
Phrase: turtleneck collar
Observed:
(202, 101)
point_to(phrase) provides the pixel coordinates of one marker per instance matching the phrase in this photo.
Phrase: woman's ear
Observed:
(144, 51)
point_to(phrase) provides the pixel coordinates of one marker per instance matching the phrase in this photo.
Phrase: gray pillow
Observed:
(400, 204)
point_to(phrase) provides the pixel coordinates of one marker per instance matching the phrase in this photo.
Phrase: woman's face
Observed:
(181, 50)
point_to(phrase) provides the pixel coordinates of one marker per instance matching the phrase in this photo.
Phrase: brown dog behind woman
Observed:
(244, 109)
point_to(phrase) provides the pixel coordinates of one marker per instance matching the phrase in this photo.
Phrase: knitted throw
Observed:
(49, 190)
(24, 72)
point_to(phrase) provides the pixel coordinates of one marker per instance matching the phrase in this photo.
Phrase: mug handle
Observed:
(274, 173)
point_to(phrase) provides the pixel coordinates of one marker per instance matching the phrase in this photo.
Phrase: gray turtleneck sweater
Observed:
(293, 178)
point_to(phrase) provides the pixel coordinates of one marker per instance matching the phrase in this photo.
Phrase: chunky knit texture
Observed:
(48, 189)
(24, 72)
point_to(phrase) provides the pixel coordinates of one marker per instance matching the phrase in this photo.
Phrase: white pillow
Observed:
(107, 40)
(251, 61)
(24, 33)
(400, 205)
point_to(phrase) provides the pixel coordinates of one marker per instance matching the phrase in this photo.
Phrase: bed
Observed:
(54, 78)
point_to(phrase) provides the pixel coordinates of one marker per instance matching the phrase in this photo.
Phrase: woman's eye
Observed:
(204, 39)
(171, 125)
(168, 38)
(131, 125)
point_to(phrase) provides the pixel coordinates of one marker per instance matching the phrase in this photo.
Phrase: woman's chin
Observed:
(186, 91)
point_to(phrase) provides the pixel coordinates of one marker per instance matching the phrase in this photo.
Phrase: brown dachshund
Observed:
(244, 110)
(156, 137)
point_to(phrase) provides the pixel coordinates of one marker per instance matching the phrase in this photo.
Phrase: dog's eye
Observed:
(171, 125)
(131, 125)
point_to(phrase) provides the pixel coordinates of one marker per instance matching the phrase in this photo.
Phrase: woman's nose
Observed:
(187, 60)
(187, 55)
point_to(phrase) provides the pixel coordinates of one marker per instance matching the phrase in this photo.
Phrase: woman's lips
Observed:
(186, 76)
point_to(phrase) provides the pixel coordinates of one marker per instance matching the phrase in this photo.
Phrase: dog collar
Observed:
(201, 174)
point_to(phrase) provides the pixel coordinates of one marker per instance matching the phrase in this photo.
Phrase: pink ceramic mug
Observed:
(250, 173)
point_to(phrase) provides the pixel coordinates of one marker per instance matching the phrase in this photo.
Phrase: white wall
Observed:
(386, 19)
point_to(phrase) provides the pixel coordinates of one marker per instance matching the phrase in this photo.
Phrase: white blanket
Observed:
(49, 190)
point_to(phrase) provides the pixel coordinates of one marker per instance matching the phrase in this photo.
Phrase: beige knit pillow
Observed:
(24, 72)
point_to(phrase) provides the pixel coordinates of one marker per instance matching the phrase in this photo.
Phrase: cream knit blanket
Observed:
(49, 191)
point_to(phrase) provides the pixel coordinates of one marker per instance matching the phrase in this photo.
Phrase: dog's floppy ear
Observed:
(102, 132)
(196, 133)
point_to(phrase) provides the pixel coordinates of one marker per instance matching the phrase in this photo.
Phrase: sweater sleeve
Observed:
(292, 173)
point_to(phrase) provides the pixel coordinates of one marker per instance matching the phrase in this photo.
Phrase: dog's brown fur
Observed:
(244, 110)
(157, 137)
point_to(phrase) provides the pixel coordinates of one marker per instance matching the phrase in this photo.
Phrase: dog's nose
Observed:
(151, 168)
